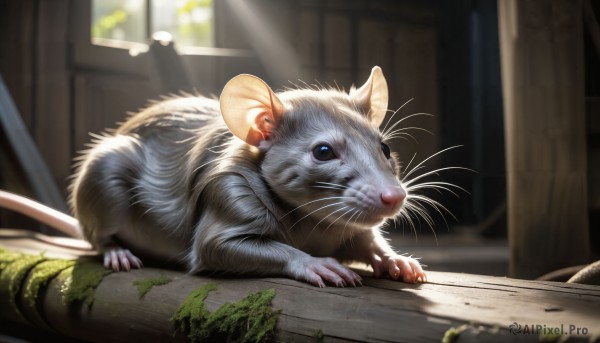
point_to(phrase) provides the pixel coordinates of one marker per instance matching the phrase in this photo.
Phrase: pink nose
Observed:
(393, 196)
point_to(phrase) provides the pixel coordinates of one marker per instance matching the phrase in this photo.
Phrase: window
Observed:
(190, 22)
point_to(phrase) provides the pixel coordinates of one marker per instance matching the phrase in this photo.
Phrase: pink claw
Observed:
(119, 259)
(398, 267)
(319, 271)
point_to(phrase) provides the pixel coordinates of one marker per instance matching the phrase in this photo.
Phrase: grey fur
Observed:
(173, 184)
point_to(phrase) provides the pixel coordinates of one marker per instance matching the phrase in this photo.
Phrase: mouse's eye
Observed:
(323, 152)
(386, 150)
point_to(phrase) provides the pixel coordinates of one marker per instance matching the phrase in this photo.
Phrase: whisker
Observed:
(318, 209)
(342, 236)
(342, 240)
(357, 217)
(406, 215)
(329, 215)
(401, 135)
(349, 219)
(385, 132)
(435, 204)
(310, 202)
(391, 134)
(441, 183)
(421, 211)
(403, 217)
(332, 184)
(430, 157)
(322, 219)
(393, 114)
(343, 214)
(408, 165)
(436, 171)
(326, 187)
(438, 186)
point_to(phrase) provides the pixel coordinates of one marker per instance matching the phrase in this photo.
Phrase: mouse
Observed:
(295, 183)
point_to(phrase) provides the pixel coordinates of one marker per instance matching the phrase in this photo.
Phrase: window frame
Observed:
(129, 57)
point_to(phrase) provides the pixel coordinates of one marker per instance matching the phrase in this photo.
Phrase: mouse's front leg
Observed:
(370, 247)
(385, 261)
(318, 270)
(225, 249)
(398, 267)
(236, 233)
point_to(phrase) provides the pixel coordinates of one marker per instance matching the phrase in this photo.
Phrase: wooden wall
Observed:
(33, 63)
(66, 87)
(341, 41)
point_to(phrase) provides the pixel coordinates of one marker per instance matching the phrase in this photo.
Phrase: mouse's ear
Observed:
(250, 108)
(373, 95)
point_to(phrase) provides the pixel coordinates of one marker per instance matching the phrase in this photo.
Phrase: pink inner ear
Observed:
(254, 137)
(261, 130)
(264, 124)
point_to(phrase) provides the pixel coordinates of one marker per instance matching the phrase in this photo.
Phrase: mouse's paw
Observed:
(119, 259)
(317, 271)
(399, 267)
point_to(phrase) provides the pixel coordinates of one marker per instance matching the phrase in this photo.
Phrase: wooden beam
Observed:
(544, 111)
(36, 171)
(381, 310)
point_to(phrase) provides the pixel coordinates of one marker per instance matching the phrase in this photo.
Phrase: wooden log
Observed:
(381, 310)
(543, 86)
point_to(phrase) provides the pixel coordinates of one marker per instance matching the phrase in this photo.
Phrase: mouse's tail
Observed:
(42, 213)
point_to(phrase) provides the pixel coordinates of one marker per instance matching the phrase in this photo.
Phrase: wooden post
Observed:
(543, 86)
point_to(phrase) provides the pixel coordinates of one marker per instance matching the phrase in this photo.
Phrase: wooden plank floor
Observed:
(380, 311)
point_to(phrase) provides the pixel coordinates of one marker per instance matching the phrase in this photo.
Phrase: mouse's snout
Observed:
(393, 197)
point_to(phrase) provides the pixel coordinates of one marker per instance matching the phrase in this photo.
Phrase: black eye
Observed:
(386, 150)
(323, 152)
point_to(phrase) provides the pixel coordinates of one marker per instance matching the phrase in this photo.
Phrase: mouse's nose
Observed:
(393, 196)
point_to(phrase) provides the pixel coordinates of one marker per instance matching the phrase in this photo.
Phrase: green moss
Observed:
(318, 335)
(80, 282)
(13, 273)
(249, 320)
(475, 330)
(551, 337)
(79, 278)
(6, 257)
(144, 286)
(451, 335)
(190, 315)
(41, 275)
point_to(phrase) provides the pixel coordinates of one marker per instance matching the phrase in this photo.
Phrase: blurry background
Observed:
(75, 67)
